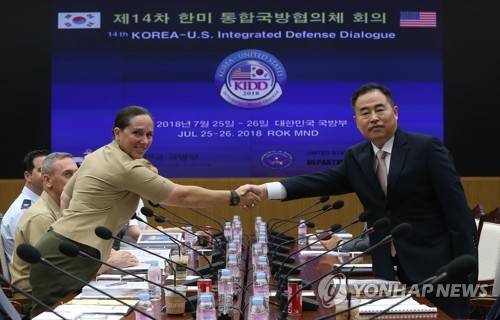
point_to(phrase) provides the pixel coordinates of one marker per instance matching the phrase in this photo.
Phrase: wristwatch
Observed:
(235, 198)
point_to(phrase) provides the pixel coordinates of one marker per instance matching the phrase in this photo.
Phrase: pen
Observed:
(115, 284)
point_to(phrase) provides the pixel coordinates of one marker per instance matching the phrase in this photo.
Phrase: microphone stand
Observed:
(325, 208)
(320, 200)
(275, 253)
(177, 242)
(100, 233)
(214, 244)
(23, 250)
(431, 279)
(148, 212)
(334, 228)
(30, 296)
(210, 218)
(368, 231)
(399, 230)
(72, 250)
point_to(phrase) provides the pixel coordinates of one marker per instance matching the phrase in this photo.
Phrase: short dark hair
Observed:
(32, 155)
(372, 86)
(124, 116)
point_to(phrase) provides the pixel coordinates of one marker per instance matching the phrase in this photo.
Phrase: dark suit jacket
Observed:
(423, 190)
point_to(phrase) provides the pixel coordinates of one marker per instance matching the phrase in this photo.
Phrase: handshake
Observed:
(249, 195)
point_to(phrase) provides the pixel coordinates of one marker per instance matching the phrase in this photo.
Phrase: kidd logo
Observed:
(250, 79)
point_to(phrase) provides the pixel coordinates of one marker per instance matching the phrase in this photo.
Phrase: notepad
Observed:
(407, 306)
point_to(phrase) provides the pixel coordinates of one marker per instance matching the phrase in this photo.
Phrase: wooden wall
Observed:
(485, 190)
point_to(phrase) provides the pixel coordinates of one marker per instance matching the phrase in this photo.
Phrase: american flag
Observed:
(242, 73)
(417, 19)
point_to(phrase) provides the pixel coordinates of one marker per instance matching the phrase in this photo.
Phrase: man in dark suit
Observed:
(422, 188)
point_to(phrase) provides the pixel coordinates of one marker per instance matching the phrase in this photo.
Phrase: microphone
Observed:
(72, 250)
(397, 232)
(336, 205)
(106, 234)
(280, 237)
(276, 266)
(209, 268)
(377, 226)
(288, 258)
(219, 231)
(31, 255)
(29, 296)
(458, 268)
(363, 217)
(322, 199)
(148, 212)
(275, 254)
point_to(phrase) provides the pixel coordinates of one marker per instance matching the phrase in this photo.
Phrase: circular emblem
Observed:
(250, 79)
(276, 159)
(332, 289)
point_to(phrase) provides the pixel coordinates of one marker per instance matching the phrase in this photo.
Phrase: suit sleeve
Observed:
(451, 196)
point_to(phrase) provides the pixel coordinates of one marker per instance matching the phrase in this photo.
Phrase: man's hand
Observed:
(248, 199)
(259, 190)
(122, 259)
(119, 259)
(332, 242)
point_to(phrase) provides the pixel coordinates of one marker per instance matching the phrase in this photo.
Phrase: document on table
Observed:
(120, 290)
(71, 311)
(407, 306)
(144, 259)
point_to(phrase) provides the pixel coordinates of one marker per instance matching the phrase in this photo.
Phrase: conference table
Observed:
(310, 271)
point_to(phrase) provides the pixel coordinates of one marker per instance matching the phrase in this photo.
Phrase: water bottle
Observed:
(262, 265)
(189, 239)
(237, 229)
(261, 285)
(154, 275)
(256, 251)
(206, 307)
(145, 305)
(231, 249)
(258, 309)
(225, 288)
(302, 233)
(235, 218)
(258, 220)
(263, 242)
(237, 241)
(228, 232)
(232, 264)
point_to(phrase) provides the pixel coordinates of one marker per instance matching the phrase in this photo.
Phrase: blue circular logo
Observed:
(250, 79)
(276, 159)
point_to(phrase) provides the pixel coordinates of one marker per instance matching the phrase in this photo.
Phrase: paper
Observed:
(187, 278)
(144, 259)
(409, 305)
(75, 311)
(102, 302)
(119, 290)
(318, 252)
